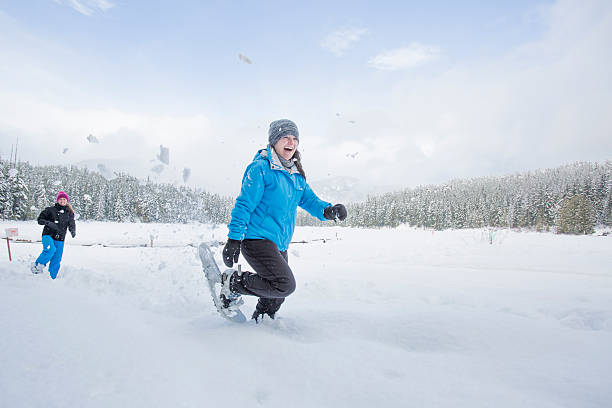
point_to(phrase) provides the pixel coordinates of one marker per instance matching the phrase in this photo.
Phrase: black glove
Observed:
(73, 234)
(53, 226)
(338, 211)
(231, 252)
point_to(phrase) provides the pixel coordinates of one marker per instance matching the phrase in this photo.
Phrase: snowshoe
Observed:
(226, 301)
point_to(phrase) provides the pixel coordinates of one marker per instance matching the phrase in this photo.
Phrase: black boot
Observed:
(258, 315)
(266, 306)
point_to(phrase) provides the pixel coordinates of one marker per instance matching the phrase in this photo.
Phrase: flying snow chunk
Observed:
(65, 150)
(92, 139)
(352, 155)
(12, 172)
(352, 121)
(158, 169)
(164, 154)
(245, 59)
(186, 174)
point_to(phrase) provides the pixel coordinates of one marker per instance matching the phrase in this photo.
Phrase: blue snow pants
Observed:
(52, 253)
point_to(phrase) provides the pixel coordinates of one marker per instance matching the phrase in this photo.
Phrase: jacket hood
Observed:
(271, 157)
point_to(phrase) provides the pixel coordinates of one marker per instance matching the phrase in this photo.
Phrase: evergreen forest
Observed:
(574, 197)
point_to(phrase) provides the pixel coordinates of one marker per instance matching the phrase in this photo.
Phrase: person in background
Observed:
(263, 220)
(56, 219)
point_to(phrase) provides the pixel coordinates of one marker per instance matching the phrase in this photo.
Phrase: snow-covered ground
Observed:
(393, 317)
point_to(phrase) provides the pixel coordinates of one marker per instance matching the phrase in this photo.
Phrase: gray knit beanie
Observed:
(281, 128)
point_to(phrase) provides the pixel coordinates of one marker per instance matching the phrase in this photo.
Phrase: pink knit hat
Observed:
(61, 194)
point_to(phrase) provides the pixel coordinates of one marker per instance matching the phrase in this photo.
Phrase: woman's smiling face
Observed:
(286, 146)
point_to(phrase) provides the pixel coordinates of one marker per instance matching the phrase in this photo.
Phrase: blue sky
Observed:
(185, 54)
(424, 92)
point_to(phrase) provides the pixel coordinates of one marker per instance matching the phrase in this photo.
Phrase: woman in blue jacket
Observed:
(263, 220)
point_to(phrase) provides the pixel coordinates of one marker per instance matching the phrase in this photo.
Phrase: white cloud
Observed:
(404, 58)
(87, 7)
(340, 41)
(133, 139)
(541, 104)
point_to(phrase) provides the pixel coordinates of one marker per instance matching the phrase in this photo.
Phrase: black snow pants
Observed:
(273, 281)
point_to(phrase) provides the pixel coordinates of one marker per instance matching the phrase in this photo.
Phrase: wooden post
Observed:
(10, 232)
(8, 245)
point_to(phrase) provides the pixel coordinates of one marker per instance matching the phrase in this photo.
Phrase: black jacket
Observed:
(56, 220)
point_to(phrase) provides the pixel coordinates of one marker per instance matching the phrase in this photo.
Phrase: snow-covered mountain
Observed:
(347, 189)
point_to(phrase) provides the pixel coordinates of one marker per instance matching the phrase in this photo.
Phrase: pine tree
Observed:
(5, 201)
(87, 204)
(101, 205)
(576, 216)
(13, 193)
(19, 195)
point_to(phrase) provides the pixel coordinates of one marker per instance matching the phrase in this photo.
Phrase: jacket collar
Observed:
(275, 164)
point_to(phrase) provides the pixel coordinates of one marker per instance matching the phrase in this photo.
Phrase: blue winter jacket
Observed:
(267, 205)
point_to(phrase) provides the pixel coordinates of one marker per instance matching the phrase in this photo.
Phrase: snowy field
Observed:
(390, 318)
